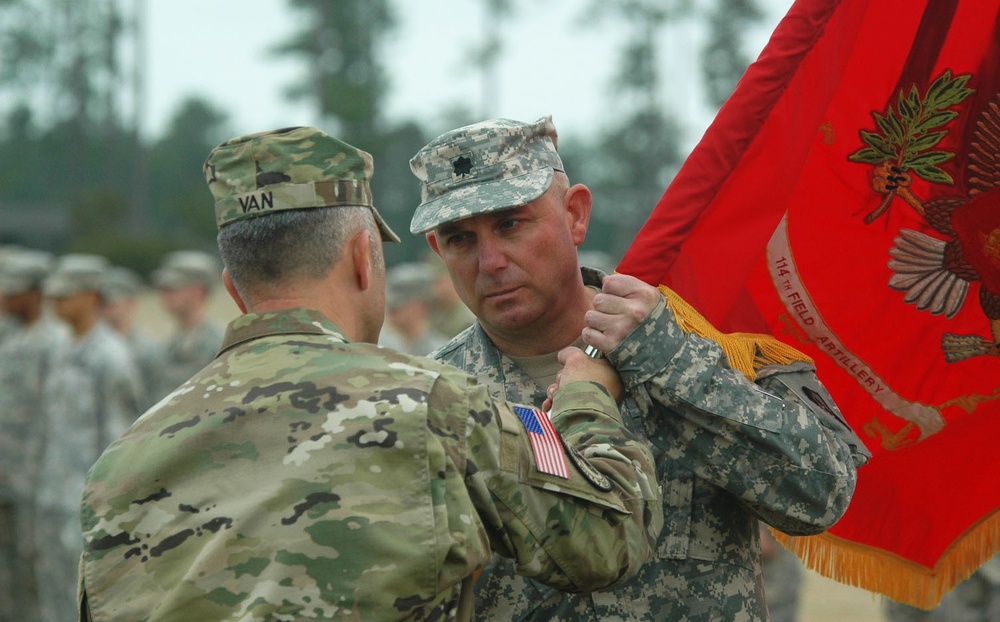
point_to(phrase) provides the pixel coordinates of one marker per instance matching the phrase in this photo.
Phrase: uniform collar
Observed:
(296, 321)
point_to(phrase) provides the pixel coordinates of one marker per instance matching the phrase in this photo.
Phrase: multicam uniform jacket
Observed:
(304, 477)
(728, 452)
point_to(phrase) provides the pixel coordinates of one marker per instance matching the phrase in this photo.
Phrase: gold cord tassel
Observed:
(747, 352)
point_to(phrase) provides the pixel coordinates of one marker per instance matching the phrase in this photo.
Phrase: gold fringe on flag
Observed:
(844, 561)
(747, 352)
(900, 579)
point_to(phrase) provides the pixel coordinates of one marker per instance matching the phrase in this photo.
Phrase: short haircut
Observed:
(287, 245)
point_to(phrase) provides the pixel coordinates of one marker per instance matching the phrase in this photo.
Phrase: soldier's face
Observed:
(20, 305)
(509, 267)
(74, 307)
(178, 301)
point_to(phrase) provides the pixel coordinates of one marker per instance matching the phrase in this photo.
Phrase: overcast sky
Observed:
(552, 64)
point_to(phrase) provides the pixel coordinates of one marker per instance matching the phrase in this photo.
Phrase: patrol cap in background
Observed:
(291, 168)
(187, 268)
(407, 282)
(485, 167)
(23, 270)
(119, 282)
(75, 273)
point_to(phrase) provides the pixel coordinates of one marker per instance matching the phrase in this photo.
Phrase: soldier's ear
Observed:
(361, 253)
(233, 293)
(578, 202)
(433, 241)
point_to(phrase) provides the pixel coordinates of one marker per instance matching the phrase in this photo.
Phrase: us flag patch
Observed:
(545, 442)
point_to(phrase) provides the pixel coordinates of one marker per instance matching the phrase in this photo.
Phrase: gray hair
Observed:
(291, 244)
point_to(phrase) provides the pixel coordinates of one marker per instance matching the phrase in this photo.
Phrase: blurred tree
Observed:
(396, 190)
(637, 155)
(723, 60)
(62, 56)
(181, 204)
(340, 44)
(63, 90)
(488, 51)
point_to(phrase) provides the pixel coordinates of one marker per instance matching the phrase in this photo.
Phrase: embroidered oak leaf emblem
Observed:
(463, 165)
(266, 178)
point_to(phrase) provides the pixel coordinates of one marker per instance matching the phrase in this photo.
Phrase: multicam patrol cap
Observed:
(75, 273)
(485, 167)
(291, 168)
(23, 270)
(187, 268)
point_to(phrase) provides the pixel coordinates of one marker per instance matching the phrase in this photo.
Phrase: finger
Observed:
(568, 354)
(611, 304)
(598, 320)
(599, 340)
(631, 288)
(620, 284)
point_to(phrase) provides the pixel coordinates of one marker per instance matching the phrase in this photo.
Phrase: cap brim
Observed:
(60, 286)
(388, 235)
(13, 285)
(482, 198)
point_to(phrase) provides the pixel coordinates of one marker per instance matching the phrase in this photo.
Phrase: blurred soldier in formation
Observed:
(7, 324)
(26, 358)
(783, 575)
(121, 303)
(185, 280)
(90, 396)
(977, 599)
(310, 474)
(449, 315)
(409, 294)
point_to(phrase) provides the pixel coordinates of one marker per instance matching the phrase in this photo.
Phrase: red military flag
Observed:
(846, 200)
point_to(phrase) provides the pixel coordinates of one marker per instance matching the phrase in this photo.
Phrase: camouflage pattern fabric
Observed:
(305, 477)
(185, 354)
(90, 397)
(149, 357)
(728, 452)
(291, 168)
(453, 320)
(484, 167)
(8, 326)
(783, 576)
(25, 359)
(421, 346)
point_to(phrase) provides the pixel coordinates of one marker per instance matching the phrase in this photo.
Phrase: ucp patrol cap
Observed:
(408, 282)
(291, 168)
(485, 167)
(186, 268)
(75, 273)
(23, 270)
(119, 283)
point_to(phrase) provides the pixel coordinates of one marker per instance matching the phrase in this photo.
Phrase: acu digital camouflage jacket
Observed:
(729, 453)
